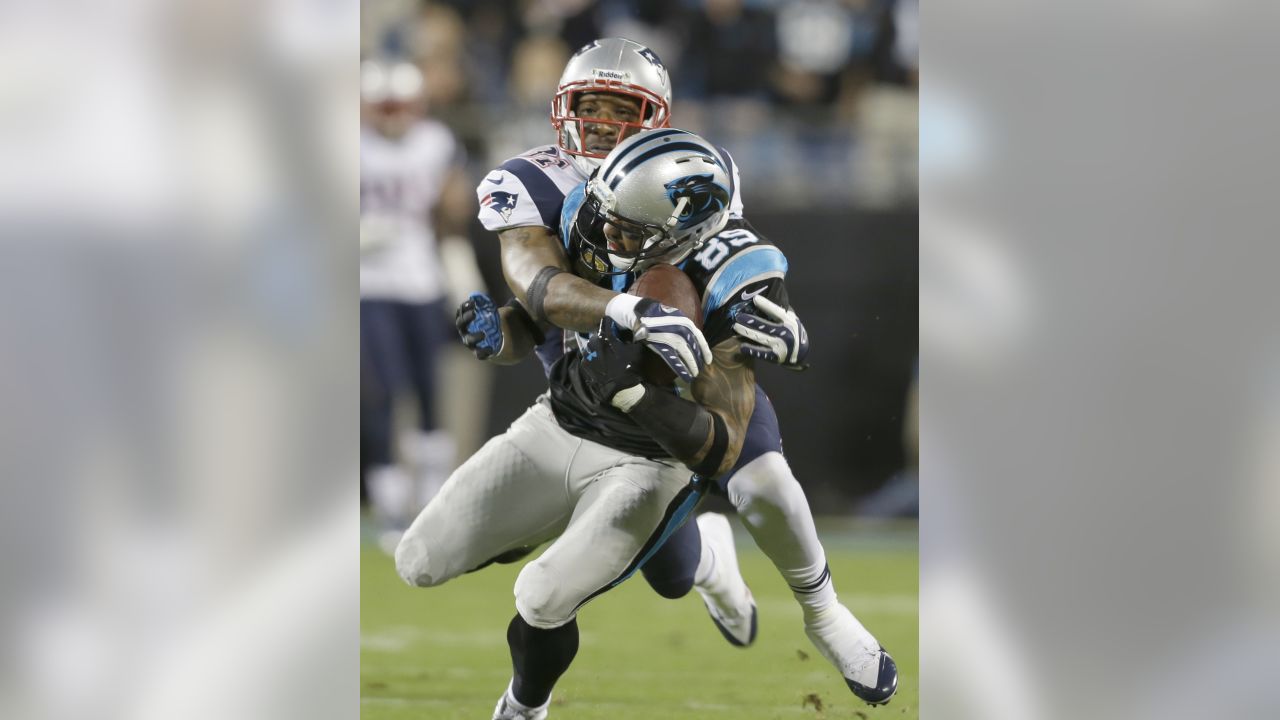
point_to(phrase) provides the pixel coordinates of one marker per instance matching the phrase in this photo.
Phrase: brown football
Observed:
(670, 286)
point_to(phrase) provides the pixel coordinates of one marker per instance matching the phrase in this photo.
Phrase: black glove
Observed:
(610, 364)
(479, 325)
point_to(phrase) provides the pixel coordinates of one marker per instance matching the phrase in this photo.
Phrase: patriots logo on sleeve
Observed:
(500, 202)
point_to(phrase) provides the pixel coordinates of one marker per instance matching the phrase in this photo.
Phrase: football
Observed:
(670, 286)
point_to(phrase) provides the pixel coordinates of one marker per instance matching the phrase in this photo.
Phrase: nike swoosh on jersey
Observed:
(748, 295)
(499, 181)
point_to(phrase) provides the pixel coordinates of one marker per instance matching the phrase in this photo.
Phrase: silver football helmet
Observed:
(609, 65)
(391, 96)
(665, 190)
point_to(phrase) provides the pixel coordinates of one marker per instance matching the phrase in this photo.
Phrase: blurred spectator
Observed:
(414, 203)
(730, 50)
(652, 23)
(815, 98)
(438, 44)
(536, 66)
(815, 45)
(906, 48)
(575, 21)
(887, 114)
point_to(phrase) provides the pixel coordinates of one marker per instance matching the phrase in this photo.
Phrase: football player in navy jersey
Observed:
(414, 205)
(613, 226)
(611, 90)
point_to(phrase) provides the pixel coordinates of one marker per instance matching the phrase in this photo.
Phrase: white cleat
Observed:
(726, 595)
(509, 709)
(867, 669)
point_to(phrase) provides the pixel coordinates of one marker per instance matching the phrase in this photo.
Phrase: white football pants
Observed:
(536, 482)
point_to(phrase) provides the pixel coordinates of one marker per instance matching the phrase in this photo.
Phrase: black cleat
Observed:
(886, 682)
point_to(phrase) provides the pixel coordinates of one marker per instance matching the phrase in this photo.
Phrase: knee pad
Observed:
(538, 600)
(763, 484)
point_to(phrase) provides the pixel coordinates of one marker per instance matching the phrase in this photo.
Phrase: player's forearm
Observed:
(698, 437)
(518, 340)
(530, 257)
(575, 304)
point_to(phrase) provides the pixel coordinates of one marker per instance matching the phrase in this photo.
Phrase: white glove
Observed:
(784, 341)
(665, 330)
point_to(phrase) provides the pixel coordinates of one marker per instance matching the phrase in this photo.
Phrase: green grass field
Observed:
(441, 653)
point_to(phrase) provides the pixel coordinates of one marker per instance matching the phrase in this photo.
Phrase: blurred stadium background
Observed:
(817, 102)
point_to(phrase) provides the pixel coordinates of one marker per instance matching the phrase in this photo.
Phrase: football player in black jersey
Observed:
(737, 271)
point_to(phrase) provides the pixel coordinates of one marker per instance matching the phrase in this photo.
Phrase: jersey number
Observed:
(546, 160)
(717, 248)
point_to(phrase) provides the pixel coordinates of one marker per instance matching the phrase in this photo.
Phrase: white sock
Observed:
(814, 591)
(706, 571)
(773, 507)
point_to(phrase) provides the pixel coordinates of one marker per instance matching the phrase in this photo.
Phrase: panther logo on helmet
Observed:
(705, 196)
(657, 198)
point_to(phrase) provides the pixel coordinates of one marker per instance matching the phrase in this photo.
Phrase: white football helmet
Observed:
(669, 188)
(391, 96)
(610, 65)
(382, 81)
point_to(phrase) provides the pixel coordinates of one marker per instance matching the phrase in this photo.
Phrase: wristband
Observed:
(622, 310)
(538, 291)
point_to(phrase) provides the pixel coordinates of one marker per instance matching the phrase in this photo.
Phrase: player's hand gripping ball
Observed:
(671, 325)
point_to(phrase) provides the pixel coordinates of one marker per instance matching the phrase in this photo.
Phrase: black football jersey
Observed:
(730, 269)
